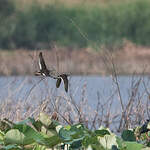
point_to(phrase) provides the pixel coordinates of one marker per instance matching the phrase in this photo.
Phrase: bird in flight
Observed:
(51, 73)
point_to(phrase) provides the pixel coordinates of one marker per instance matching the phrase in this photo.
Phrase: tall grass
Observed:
(38, 26)
(28, 97)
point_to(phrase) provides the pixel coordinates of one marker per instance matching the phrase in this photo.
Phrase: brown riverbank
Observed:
(130, 58)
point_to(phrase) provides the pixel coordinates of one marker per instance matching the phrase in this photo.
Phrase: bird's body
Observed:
(51, 73)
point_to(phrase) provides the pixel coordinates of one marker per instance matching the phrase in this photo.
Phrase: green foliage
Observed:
(6, 8)
(37, 26)
(128, 135)
(7, 23)
(24, 135)
(108, 141)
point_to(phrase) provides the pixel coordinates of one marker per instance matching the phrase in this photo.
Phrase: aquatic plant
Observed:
(46, 133)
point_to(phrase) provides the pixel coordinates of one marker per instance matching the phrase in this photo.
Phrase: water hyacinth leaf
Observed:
(108, 141)
(144, 127)
(120, 143)
(4, 126)
(148, 144)
(21, 127)
(137, 131)
(78, 132)
(65, 134)
(76, 145)
(68, 127)
(58, 128)
(11, 147)
(48, 132)
(74, 133)
(149, 133)
(28, 120)
(148, 126)
(47, 141)
(102, 132)
(53, 124)
(39, 147)
(33, 136)
(45, 119)
(1, 142)
(37, 125)
(128, 135)
(71, 135)
(114, 147)
(90, 140)
(146, 148)
(79, 127)
(128, 145)
(14, 136)
(52, 141)
(1, 135)
(30, 134)
(133, 146)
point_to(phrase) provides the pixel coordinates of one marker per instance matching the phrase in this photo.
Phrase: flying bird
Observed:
(51, 73)
(43, 69)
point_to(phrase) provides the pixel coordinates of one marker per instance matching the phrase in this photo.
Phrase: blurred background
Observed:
(75, 35)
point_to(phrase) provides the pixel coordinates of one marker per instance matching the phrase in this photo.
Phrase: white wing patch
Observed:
(40, 65)
(44, 74)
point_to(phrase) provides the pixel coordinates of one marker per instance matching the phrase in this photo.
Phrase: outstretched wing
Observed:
(58, 82)
(65, 79)
(42, 64)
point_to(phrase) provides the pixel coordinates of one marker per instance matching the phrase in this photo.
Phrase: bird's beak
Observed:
(37, 73)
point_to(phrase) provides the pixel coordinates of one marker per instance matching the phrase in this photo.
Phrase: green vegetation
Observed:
(44, 133)
(36, 26)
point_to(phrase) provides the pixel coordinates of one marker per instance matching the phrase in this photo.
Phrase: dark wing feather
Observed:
(58, 82)
(65, 79)
(42, 62)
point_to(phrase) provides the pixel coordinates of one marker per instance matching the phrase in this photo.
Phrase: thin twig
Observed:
(33, 88)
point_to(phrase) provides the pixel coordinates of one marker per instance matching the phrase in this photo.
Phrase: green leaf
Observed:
(128, 135)
(102, 132)
(1, 135)
(39, 147)
(52, 141)
(45, 119)
(71, 134)
(123, 145)
(148, 125)
(14, 136)
(146, 148)
(108, 141)
(76, 144)
(29, 133)
(133, 146)
(65, 134)
(90, 140)
(29, 120)
(37, 125)
(68, 127)
(4, 126)
(11, 147)
(149, 133)
(48, 132)
(120, 142)
(58, 128)
(53, 125)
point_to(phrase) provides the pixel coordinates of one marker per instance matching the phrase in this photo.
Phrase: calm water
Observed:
(19, 88)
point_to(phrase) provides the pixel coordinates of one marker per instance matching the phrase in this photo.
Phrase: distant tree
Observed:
(6, 8)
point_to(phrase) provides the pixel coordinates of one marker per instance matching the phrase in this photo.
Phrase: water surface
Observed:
(87, 87)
